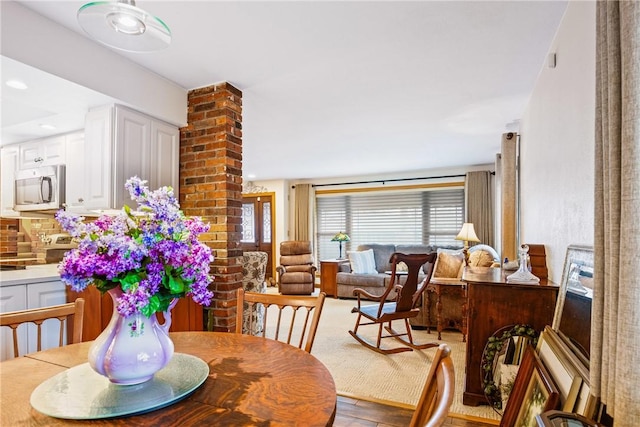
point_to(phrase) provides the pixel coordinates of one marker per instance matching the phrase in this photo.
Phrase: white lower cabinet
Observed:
(32, 295)
(12, 298)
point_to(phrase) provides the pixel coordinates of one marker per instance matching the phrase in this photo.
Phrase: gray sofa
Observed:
(346, 281)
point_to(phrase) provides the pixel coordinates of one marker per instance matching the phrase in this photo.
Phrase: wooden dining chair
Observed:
(297, 317)
(64, 313)
(437, 395)
(403, 307)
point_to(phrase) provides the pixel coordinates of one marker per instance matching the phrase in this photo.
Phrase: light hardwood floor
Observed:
(361, 413)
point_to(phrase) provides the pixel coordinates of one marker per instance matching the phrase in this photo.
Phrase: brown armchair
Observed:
(296, 272)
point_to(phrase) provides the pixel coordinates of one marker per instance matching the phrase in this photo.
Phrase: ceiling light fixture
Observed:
(122, 25)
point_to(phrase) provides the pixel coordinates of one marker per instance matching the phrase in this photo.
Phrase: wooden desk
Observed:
(494, 304)
(447, 286)
(252, 381)
(328, 270)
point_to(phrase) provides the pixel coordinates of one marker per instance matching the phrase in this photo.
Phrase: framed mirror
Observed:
(572, 317)
(501, 359)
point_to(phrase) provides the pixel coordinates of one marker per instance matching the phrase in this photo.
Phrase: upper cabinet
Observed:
(8, 167)
(64, 149)
(42, 152)
(121, 143)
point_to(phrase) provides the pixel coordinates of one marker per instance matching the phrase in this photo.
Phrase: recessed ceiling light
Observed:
(48, 127)
(251, 176)
(16, 84)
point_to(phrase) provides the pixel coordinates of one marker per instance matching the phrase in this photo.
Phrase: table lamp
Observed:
(467, 234)
(340, 237)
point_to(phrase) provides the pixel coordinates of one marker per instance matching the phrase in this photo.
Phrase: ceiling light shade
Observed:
(122, 25)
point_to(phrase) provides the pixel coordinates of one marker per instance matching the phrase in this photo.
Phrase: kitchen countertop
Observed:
(31, 274)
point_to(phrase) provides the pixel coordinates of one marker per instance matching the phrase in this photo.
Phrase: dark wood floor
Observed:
(361, 413)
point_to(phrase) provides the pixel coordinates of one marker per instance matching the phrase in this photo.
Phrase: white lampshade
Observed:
(467, 233)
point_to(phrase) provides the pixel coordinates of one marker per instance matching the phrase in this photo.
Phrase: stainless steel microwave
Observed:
(39, 189)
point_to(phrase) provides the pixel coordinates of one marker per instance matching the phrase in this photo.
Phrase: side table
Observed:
(440, 287)
(328, 270)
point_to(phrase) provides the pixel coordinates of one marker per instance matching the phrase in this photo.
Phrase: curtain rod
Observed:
(383, 181)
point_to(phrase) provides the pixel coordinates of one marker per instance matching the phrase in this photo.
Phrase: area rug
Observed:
(395, 379)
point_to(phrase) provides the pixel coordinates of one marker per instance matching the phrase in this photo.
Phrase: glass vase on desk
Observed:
(523, 274)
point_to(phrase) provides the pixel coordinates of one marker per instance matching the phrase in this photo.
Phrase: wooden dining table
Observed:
(252, 381)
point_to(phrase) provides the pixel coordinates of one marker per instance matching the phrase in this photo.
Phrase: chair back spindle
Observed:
(64, 313)
(297, 316)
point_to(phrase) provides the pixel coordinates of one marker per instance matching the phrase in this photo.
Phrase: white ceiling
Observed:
(336, 88)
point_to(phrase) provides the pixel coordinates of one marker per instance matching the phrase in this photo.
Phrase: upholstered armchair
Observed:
(296, 272)
(254, 270)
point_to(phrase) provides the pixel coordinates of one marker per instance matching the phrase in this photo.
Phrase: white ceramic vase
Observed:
(132, 349)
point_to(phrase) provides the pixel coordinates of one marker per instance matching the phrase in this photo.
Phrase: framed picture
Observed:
(585, 403)
(562, 419)
(534, 392)
(565, 375)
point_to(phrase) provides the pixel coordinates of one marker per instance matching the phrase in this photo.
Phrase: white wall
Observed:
(557, 143)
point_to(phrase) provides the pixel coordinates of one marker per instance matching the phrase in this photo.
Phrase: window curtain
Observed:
(302, 212)
(615, 336)
(480, 205)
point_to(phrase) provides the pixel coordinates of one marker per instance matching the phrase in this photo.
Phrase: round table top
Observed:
(252, 381)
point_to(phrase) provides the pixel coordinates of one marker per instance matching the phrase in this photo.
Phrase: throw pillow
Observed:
(449, 264)
(401, 266)
(362, 262)
(480, 258)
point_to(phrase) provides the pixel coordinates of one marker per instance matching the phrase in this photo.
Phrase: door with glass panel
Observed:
(257, 227)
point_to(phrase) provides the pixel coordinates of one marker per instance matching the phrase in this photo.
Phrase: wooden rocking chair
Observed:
(404, 307)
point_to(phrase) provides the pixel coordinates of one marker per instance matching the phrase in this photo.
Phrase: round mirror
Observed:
(501, 359)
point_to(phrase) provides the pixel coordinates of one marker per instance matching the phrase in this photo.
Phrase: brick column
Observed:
(211, 187)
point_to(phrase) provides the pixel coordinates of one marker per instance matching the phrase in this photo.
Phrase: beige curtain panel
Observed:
(480, 205)
(302, 212)
(615, 336)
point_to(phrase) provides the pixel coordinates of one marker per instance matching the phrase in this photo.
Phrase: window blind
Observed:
(424, 216)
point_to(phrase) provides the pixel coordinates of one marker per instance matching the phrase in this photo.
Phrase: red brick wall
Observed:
(8, 238)
(211, 187)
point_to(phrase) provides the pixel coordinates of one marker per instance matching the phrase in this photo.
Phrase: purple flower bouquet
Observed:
(152, 253)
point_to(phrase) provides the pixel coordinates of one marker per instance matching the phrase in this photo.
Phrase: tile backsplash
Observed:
(25, 240)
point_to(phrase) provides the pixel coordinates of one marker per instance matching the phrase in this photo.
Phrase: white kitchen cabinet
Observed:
(31, 295)
(132, 152)
(67, 149)
(45, 294)
(75, 172)
(8, 166)
(121, 143)
(42, 152)
(12, 298)
(165, 156)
